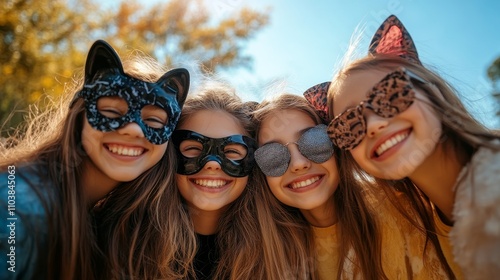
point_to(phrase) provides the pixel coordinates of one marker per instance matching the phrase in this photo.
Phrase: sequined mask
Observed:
(113, 99)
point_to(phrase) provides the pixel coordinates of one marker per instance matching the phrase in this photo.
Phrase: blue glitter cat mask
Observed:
(105, 77)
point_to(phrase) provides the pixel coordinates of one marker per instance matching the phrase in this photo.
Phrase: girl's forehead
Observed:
(354, 88)
(214, 124)
(283, 123)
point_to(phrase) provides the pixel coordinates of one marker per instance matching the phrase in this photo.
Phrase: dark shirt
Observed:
(207, 256)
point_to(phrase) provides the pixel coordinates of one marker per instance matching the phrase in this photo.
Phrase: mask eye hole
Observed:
(190, 148)
(112, 107)
(235, 151)
(154, 116)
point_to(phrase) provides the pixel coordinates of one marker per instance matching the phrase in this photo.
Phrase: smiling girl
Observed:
(113, 132)
(215, 152)
(405, 125)
(349, 230)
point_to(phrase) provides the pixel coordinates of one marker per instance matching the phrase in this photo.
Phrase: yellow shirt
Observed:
(402, 249)
(327, 258)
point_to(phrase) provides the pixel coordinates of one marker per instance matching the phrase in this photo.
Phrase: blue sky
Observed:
(306, 40)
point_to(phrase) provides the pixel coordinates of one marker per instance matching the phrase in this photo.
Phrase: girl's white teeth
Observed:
(210, 183)
(390, 143)
(304, 183)
(125, 151)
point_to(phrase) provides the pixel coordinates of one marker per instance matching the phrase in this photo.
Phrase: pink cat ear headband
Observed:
(391, 38)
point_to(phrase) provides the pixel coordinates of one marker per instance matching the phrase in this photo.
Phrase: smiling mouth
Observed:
(303, 184)
(125, 151)
(391, 142)
(214, 184)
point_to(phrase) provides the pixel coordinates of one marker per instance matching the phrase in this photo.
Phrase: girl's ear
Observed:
(392, 38)
(178, 80)
(101, 56)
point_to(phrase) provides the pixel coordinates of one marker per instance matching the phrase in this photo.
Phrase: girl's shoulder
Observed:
(482, 169)
(24, 188)
(476, 231)
(24, 212)
(405, 247)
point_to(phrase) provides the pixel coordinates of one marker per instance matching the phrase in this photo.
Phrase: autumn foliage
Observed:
(44, 42)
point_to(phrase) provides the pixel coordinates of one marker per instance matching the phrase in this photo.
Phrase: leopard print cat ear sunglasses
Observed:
(391, 96)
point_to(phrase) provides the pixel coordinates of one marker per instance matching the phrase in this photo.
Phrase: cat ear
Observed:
(392, 38)
(177, 79)
(317, 97)
(101, 56)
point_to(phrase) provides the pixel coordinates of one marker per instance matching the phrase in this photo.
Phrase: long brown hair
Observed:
(238, 231)
(137, 216)
(462, 135)
(156, 222)
(52, 141)
(358, 228)
(144, 228)
(251, 243)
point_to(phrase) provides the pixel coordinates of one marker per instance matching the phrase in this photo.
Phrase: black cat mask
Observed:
(105, 77)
